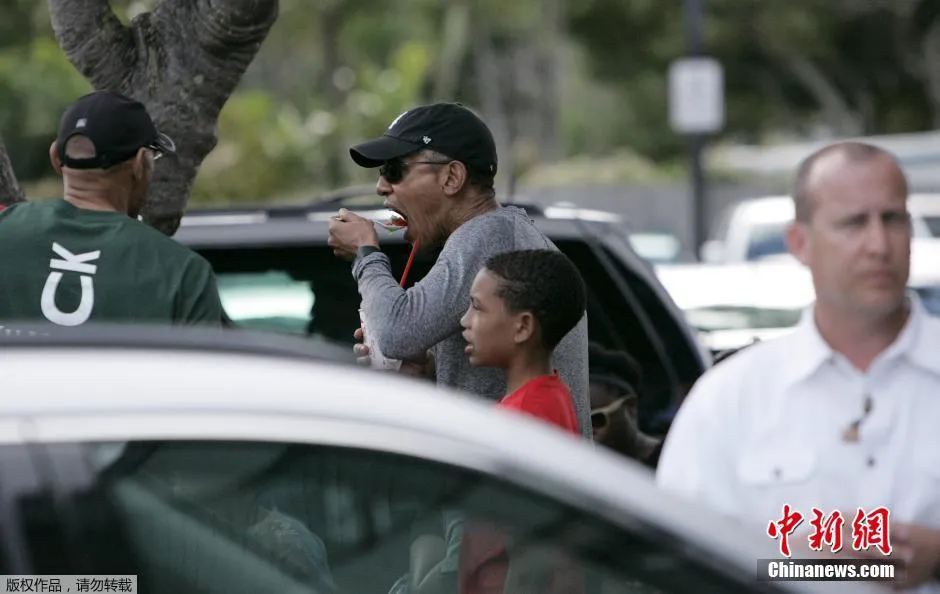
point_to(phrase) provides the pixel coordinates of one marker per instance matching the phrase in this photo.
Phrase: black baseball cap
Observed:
(118, 126)
(448, 128)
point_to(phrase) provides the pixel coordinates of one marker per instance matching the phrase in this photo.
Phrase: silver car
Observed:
(224, 462)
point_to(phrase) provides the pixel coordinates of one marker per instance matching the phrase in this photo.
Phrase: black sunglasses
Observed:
(162, 146)
(600, 417)
(394, 171)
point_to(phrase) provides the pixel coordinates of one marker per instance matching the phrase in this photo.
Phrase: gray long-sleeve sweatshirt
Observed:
(426, 317)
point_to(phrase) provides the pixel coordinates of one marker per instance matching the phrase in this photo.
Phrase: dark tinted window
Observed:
(249, 517)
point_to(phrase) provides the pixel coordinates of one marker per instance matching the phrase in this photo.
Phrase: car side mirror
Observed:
(711, 251)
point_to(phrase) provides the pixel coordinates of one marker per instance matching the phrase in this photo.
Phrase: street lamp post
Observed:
(693, 11)
(696, 108)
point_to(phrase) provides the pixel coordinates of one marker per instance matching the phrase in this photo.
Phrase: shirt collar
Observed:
(918, 342)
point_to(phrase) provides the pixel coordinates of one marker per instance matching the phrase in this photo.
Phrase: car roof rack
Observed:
(356, 197)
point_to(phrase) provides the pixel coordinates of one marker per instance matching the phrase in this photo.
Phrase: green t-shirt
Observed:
(66, 265)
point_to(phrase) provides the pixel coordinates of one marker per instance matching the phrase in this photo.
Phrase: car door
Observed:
(258, 516)
(629, 310)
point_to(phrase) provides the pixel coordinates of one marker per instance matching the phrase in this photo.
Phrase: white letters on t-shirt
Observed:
(75, 263)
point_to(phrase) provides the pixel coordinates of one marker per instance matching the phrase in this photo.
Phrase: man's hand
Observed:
(349, 232)
(918, 549)
(915, 549)
(420, 368)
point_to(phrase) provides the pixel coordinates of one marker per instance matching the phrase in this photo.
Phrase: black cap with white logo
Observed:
(448, 128)
(117, 126)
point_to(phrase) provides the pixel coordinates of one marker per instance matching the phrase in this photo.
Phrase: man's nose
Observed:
(876, 239)
(382, 187)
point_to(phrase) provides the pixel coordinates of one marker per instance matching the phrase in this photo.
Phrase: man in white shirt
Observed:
(844, 412)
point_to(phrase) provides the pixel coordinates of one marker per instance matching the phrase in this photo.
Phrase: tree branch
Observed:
(10, 191)
(94, 40)
(183, 61)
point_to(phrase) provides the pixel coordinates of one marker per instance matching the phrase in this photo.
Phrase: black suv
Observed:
(276, 272)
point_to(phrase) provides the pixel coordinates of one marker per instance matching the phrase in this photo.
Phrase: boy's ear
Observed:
(525, 327)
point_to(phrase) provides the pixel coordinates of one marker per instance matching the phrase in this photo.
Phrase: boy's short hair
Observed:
(544, 282)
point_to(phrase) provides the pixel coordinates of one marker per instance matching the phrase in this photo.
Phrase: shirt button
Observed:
(777, 473)
(871, 462)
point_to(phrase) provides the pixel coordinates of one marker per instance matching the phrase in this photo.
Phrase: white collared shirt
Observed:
(766, 428)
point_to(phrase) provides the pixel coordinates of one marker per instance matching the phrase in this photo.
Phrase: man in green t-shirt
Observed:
(86, 257)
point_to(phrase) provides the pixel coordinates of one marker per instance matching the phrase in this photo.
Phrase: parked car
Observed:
(654, 246)
(731, 305)
(927, 208)
(224, 463)
(277, 273)
(754, 229)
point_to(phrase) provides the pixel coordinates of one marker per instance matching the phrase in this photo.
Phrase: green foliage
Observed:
(37, 83)
(276, 147)
(333, 72)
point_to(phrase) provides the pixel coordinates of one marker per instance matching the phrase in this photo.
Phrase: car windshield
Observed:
(734, 317)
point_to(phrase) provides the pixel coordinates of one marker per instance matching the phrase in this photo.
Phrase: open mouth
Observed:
(394, 223)
(398, 218)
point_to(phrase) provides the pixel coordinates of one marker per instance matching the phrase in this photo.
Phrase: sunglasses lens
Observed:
(598, 420)
(392, 171)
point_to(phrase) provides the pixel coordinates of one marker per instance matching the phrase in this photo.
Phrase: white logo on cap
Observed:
(395, 121)
(81, 123)
(426, 139)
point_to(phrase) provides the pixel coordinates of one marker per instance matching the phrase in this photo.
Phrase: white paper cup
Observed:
(377, 359)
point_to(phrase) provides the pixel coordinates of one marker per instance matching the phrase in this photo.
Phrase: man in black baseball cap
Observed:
(447, 128)
(436, 170)
(117, 127)
(85, 257)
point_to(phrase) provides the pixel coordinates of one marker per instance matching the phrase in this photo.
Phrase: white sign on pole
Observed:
(696, 95)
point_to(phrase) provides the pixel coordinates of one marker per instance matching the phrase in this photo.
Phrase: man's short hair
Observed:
(544, 282)
(855, 152)
(483, 182)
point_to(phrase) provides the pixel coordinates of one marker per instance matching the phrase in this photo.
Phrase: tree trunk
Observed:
(931, 51)
(331, 23)
(182, 60)
(455, 43)
(10, 191)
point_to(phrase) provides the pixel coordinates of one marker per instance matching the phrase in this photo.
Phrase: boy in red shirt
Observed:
(522, 304)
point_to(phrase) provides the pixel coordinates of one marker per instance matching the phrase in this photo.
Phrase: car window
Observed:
(246, 517)
(732, 317)
(656, 248)
(930, 296)
(767, 240)
(269, 300)
(933, 224)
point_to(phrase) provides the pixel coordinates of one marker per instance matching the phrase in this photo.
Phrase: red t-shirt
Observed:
(484, 563)
(545, 397)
